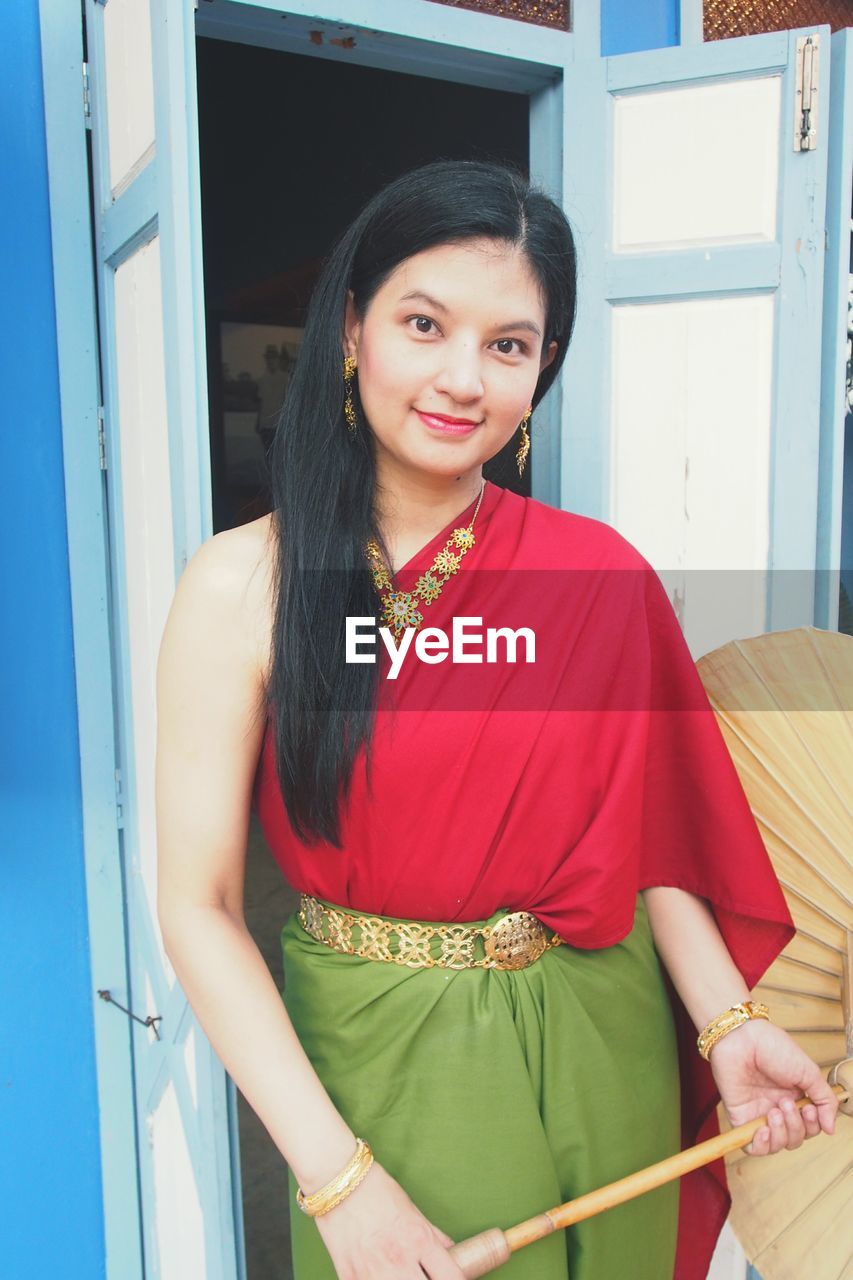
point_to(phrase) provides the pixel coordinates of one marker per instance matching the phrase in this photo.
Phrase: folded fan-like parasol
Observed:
(784, 703)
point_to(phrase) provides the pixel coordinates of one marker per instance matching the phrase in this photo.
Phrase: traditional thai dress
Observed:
(562, 787)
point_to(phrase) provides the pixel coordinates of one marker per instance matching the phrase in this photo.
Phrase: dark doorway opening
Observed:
(290, 148)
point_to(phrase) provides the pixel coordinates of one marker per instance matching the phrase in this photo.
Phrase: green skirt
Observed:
(492, 1095)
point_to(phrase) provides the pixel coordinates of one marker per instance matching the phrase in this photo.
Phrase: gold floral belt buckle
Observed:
(513, 942)
(517, 940)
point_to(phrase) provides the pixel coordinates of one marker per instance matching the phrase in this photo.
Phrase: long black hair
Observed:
(322, 479)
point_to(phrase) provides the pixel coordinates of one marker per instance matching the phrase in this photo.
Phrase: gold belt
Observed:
(514, 942)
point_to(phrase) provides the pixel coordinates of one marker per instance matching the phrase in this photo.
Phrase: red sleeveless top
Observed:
(560, 786)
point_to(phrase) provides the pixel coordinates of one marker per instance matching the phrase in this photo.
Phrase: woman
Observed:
(582, 783)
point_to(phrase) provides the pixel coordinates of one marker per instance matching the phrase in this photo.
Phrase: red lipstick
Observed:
(451, 426)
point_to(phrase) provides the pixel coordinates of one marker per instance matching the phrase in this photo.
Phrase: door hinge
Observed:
(87, 97)
(102, 439)
(806, 97)
(119, 801)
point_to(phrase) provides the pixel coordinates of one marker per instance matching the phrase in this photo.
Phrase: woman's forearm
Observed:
(235, 999)
(693, 951)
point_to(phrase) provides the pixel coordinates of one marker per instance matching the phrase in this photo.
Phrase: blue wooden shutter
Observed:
(692, 389)
(141, 60)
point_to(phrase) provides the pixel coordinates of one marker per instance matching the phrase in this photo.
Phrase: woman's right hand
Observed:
(377, 1233)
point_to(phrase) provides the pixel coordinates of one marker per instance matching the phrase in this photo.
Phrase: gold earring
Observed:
(349, 408)
(524, 447)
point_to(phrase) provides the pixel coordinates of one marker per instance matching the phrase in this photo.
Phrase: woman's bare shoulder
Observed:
(210, 718)
(235, 567)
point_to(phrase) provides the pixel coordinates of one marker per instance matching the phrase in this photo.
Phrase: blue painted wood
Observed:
(796, 392)
(179, 204)
(129, 221)
(586, 28)
(716, 59)
(607, 277)
(230, 1132)
(838, 121)
(585, 378)
(847, 511)
(691, 21)
(546, 144)
(641, 277)
(414, 37)
(101, 915)
(420, 19)
(50, 1162)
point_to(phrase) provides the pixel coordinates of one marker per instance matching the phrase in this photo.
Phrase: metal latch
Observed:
(87, 97)
(805, 99)
(102, 439)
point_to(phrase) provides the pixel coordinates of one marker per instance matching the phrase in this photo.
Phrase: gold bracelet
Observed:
(727, 1021)
(339, 1188)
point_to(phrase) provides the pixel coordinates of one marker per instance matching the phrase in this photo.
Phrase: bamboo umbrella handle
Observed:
(482, 1253)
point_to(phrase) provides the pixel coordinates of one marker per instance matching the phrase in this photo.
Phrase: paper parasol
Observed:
(784, 703)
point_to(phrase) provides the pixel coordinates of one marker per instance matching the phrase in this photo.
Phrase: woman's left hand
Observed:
(759, 1070)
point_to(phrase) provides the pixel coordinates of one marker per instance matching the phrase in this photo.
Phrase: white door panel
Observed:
(148, 238)
(692, 385)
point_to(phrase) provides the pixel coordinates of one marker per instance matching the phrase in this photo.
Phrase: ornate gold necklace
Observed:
(400, 608)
